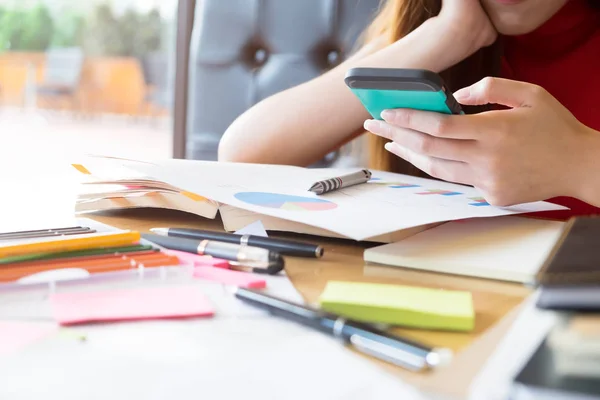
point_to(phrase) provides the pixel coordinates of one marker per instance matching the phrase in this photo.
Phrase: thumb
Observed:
(496, 91)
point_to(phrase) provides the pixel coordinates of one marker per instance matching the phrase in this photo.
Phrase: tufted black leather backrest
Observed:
(243, 51)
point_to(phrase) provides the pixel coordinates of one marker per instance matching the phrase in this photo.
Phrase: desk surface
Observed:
(495, 302)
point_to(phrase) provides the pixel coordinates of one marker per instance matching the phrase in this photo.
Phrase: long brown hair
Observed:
(396, 19)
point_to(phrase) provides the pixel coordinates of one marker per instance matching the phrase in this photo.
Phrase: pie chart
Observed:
(285, 202)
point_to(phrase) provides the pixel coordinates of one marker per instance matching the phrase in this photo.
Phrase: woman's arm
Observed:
(301, 125)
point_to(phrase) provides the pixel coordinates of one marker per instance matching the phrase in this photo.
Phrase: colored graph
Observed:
(392, 185)
(401, 185)
(285, 202)
(478, 202)
(440, 192)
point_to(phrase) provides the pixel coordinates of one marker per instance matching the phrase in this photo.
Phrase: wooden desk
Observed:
(495, 302)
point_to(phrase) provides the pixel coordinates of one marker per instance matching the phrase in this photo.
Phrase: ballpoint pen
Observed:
(243, 258)
(284, 247)
(364, 337)
(329, 185)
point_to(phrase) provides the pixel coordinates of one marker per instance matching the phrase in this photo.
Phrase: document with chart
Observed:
(387, 203)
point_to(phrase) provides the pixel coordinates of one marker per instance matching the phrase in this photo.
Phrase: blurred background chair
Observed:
(158, 99)
(243, 51)
(62, 74)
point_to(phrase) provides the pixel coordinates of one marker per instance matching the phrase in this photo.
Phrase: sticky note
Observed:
(130, 304)
(229, 277)
(407, 306)
(17, 335)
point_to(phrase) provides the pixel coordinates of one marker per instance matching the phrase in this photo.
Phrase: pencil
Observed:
(75, 263)
(48, 233)
(95, 240)
(79, 260)
(77, 253)
(12, 274)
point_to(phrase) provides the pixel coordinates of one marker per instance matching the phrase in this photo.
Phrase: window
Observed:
(93, 76)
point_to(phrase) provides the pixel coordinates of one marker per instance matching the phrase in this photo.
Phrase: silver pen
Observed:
(329, 185)
(366, 338)
(240, 257)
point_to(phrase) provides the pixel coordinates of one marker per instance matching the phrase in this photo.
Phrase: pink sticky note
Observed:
(197, 260)
(16, 335)
(229, 277)
(130, 304)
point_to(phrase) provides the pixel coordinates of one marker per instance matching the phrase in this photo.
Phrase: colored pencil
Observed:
(77, 253)
(39, 231)
(93, 241)
(30, 236)
(79, 260)
(12, 274)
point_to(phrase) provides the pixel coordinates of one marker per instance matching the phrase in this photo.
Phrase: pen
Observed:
(44, 233)
(284, 247)
(242, 258)
(329, 185)
(364, 337)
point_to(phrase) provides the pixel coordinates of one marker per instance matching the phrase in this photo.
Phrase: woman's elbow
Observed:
(228, 151)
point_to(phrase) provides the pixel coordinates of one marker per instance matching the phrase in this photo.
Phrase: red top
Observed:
(563, 57)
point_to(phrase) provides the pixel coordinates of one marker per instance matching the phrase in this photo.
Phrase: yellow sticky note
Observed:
(407, 306)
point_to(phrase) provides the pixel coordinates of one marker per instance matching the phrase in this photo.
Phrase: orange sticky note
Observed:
(16, 335)
(130, 304)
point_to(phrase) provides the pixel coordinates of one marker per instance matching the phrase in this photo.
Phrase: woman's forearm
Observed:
(302, 124)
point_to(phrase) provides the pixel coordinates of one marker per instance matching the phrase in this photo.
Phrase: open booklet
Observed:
(107, 185)
(386, 209)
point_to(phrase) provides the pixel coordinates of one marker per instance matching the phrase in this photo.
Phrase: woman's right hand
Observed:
(467, 25)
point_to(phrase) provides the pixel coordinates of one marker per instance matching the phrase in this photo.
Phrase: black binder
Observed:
(570, 277)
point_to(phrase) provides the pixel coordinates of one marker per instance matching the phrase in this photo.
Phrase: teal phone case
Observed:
(377, 100)
(381, 89)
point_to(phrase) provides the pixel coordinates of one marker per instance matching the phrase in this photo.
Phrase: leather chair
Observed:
(243, 51)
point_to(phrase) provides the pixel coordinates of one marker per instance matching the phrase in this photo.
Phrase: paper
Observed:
(16, 335)
(37, 195)
(228, 277)
(108, 185)
(242, 352)
(390, 202)
(506, 248)
(254, 229)
(400, 305)
(132, 304)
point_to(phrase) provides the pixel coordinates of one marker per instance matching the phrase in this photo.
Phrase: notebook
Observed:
(504, 248)
(539, 379)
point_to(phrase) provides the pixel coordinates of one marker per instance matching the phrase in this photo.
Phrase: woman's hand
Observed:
(467, 25)
(533, 151)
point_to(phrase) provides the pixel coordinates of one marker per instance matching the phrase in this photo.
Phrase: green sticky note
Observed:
(407, 306)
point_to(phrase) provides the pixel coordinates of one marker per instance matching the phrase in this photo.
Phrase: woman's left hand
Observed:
(533, 151)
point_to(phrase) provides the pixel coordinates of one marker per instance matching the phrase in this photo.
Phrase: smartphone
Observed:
(387, 88)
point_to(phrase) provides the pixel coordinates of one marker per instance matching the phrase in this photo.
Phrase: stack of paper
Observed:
(576, 345)
(107, 186)
(386, 209)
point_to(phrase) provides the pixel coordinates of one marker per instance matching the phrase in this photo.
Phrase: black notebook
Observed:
(540, 380)
(570, 277)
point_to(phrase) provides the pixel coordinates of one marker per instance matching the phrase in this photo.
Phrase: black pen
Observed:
(242, 258)
(364, 337)
(284, 247)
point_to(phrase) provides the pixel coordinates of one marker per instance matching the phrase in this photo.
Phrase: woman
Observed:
(540, 140)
